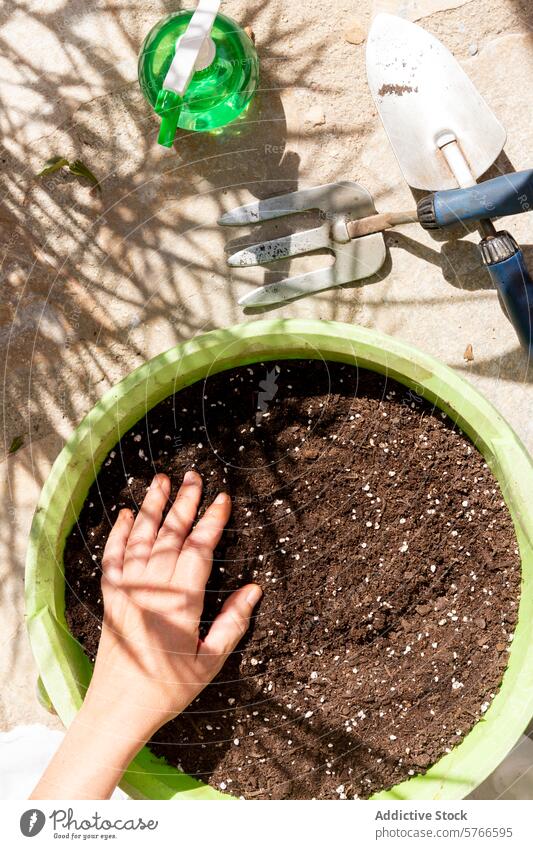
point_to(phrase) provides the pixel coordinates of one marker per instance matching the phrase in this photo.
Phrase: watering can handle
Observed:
(194, 51)
(189, 48)
(507, 267)
(510, 194)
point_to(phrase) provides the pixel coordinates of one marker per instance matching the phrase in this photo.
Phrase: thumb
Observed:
(229, 627)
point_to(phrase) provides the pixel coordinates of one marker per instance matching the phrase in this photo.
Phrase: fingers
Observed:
(194, 563)
(175, 528)
(115, 549)
(146, 526)
(229, 627)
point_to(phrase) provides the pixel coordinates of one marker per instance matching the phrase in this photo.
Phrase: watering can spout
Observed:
(168, 106)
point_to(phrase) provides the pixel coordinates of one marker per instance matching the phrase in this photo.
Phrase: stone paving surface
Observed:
(93, 285)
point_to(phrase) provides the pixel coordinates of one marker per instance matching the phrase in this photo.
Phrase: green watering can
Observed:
(199, 71)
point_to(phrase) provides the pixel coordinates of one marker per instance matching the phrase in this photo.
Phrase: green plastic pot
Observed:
(65, 670)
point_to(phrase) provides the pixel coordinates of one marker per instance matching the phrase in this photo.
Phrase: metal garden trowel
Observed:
(445, 136)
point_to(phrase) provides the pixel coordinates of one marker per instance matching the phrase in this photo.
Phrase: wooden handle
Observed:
(379, 223)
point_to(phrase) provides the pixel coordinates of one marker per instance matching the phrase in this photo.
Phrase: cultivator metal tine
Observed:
(291, 287)
(333, 199)
(353, 261)
(261, 210)
(282, 248)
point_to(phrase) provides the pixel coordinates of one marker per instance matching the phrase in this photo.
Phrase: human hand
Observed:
(151, 663)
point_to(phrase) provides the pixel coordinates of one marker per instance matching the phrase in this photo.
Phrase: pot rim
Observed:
(65, 670)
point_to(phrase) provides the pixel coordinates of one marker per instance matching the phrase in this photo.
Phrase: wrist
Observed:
(119, 720)
(110, 724)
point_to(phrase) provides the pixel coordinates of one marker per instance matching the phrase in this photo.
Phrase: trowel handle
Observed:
(507, 267)
(507, 195)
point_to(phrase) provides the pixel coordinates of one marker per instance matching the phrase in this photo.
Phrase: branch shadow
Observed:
(89, 281)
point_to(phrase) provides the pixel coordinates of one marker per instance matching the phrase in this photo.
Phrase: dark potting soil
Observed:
(389, 565)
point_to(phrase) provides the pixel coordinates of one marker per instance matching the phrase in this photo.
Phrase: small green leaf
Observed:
(52, 165)
(17, 443)
(80, 170)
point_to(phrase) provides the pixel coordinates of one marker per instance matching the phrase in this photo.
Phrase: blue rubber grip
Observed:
(515, 286)
(508, 195)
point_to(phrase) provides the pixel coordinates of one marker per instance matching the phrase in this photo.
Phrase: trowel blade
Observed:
(422, 94)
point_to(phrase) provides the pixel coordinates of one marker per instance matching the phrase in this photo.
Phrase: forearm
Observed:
(91, 759)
